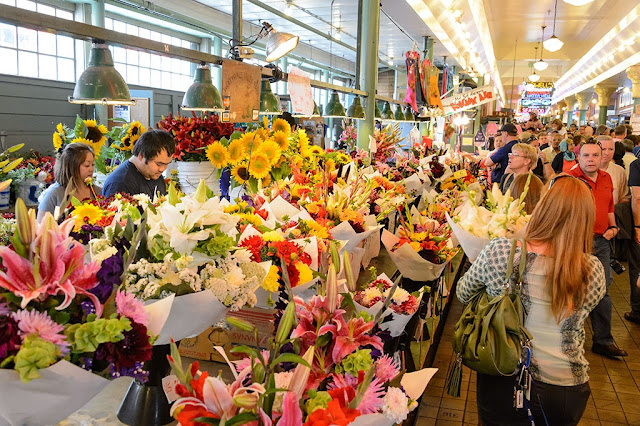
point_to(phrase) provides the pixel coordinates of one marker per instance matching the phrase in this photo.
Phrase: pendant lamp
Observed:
(269, 103)
(553, 44)
(387, 113)
(315, 113)
(202, 95)
(578, 2)
(534, 77)
(279, 44)
(399, 115)
(334, 107)
(101, 83)
(409, 115)
(356, 110)
(378, 113)
(541, 65)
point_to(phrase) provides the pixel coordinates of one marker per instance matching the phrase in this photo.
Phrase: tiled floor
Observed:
(615, 395)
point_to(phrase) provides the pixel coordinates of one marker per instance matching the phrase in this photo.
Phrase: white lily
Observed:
(179, 227)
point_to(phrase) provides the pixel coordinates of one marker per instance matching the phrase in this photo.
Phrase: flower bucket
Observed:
(190, 173)
(29, 191)
(5, 196)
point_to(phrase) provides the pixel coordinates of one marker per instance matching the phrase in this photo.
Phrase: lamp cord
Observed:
(555, 14)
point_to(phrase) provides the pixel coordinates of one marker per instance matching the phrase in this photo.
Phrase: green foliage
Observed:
(88, 336)
(35, 354)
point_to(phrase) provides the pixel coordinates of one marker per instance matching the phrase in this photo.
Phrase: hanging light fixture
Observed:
(101, 83)
(399, 115)
(409, 115)
(541, 65)
(279, 44)
(553, 44)
(387, 113)
(378, 113)
(269, 103)
(578, 2)
(334, 107)
(202, 95)
(356, 110)
(534, 77)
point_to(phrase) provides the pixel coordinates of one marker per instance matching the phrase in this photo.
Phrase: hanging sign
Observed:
(492, 129)
(467, 100)
(479, 139)
(241, 82)
(300, 91)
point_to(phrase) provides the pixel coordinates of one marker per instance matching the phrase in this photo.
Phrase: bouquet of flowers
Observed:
(327, 369)
(7, 228)
(121, 142)
(195, 135)
(500, 216)
(386, 141)
(84, 131)
(7, 164)
(55, 328)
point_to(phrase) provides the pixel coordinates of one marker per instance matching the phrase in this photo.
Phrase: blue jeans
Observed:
(601, 315)
(634, 270)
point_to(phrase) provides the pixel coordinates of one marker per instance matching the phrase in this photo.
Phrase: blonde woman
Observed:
(557, 296)
(522, 159)
(73, 165)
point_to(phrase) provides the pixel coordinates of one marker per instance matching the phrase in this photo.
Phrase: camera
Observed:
(617, 267)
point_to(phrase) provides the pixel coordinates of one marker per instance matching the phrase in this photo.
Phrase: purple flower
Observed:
(108, 277)
(88, 307)
(85, 363)
(248, 200)
(10, 340)
(137, 372)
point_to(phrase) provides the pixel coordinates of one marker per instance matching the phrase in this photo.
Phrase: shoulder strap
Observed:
(523, 261)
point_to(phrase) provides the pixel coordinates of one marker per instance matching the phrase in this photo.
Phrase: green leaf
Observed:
(241, 419)
(206, 420)
(289, 357)
(244, 349)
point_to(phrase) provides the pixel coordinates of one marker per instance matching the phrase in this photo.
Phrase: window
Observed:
(148, 69)
(39, 54)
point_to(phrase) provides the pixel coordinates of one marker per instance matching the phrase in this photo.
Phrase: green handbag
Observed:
(489, 335)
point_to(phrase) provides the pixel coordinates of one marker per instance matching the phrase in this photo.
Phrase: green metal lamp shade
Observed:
(269, 103)
(378, 113)
(279, 44)
(334, 107)
(356, 110)
(315, 113)
(202, 95)
(101, 83)
(387, 113)
(408, 114)
(399, 115)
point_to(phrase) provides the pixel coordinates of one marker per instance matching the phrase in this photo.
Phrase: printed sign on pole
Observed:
(479, 139)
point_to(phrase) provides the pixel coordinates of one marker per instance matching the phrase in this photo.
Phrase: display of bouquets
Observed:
(7, 164)
(422, 246)
(88, 132)
(402, 306)
(7, 228)
(348, 140)
(33, 166)
(387, 141)
(56, 333)
(328, 370)
(121, 141)
(499, 216)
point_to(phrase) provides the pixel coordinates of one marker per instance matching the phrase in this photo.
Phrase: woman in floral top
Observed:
(558, 293)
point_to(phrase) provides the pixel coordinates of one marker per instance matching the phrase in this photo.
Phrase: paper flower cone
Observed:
(61, 389)
(410, 264)
(344, 231)
(189, 315)
(471, 244)
(371, 244)
(355, 255)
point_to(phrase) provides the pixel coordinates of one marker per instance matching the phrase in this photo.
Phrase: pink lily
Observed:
(352, 336)
(217, 398)
(315, 319)
(291, 413)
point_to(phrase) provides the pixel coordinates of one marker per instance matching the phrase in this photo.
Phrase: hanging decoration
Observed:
(414, 92)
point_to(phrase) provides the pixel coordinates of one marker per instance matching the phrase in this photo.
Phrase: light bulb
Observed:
(553, 44)
(534, 77)
(541, 65)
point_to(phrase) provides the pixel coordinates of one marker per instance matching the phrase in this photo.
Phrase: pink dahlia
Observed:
(41, 324)
(128, 306)
(386, 368)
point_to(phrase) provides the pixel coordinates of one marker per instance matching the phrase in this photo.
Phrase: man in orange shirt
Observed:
(604, 230)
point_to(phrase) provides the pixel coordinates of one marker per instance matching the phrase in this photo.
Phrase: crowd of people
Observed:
(580, 227)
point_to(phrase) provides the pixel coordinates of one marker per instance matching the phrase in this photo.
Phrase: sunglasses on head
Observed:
(556, 178)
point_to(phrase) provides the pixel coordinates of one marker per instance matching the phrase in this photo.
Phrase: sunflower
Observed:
(135, 130)
(266, 181)
(60, 128)
(281, 125)
(281, 139)
(126, 144)
(96, 133)
(262, 133)
(342, 158)
(250, 141)
(236, 151)
(315, 150)
(97, 146)
(240, 173)
(58, 140)
(259, 165)
(303, 140)
(271, 150)
(218, 155)
(86, 213)
(265, 122)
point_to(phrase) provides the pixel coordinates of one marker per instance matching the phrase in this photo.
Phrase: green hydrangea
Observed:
(88, 336)
(159, 248)
(35, 354)
(252, 269)
(319, 399)
(366, 316)
(360, 360)
(218, 245)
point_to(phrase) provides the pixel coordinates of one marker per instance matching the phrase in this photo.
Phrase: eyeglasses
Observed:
(514, 154)
(553, 180)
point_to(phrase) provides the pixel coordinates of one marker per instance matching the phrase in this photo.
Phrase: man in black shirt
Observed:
(634, 243)
(142, 173)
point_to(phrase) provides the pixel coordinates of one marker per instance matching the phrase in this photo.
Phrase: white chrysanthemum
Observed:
(396, 405)
(400, 295)
(282, 382)
(371, 294)
(235, 277)
(142, 198)
(104, 254)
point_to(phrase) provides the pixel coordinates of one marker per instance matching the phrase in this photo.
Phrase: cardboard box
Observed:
(201, 346)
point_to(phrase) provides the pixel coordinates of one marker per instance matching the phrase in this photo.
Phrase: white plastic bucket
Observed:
(190, 173)
(29, 191)
(4, 199)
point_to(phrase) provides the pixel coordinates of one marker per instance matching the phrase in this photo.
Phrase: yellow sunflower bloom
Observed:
(265, 122)
(218, 155)
(266, 181)
(272, 150)
(240, 173)
(263, 133)
(303, 141)
(282, 139)
(60, 128)
(272, 280)
(330, 165)
(316, 150)
(281, 125)
(86, 213)
(97, 146)
(57, 141)
(250, 141)
(342, 158)
(259, 166)
(136, 129)
(126, 144)
(96, 133)
(236, 151)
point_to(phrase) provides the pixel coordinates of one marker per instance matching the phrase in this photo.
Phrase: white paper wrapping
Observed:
(410, 264)
(371, 244)
(376, 419)
(344, 231)
(356, 260)
(471, 244)
(62, 389)
(190, 315)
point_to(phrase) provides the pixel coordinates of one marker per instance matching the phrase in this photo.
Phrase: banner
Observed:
(300, 91)
(241, 83)
(467, 100)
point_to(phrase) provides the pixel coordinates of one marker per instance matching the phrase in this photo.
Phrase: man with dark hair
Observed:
(142, 173)
(619, 133)
(500, 158)
(602, 130)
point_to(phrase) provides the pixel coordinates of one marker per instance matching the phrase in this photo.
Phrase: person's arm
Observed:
(496, 157)
(488, 270)
(624, 194)
(48, 202)
(556, 164)
(612, 230)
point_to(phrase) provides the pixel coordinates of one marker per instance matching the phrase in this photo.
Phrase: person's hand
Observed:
(611, 233)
